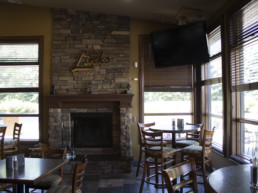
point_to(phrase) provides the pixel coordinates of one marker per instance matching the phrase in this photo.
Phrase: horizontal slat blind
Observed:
(244, 47)
(176, 78)
(18, 52)
(214, 42)
(212, 69)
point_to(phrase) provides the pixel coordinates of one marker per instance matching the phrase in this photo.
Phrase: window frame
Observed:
(27, 39)
(236, 92)
(205, 84)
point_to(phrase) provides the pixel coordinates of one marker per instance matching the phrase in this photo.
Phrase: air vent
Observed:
(189, 15)
(15, 1)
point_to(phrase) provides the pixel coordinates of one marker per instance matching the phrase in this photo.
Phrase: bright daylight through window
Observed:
(212, 89)
(19, 87)
(244, 78)
(161, 107)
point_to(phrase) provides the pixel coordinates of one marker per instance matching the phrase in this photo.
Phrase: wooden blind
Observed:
(176, 78)
(244, 48)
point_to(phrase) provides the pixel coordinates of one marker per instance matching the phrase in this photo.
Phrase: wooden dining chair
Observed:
(12, 146)
(144, 126)
(2, 135)
(158, 156)
(78, 175)
(52, 179)
(202, 154)
(4, 186)
(192, 138)
(141, 126)
(186, 172)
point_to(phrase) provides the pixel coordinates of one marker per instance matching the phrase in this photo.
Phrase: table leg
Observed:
(173, 140)
(19, 188)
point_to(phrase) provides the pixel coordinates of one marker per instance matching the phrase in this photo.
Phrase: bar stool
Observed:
(158, 156)
(192, 138)
(144, 126)
(202, 154)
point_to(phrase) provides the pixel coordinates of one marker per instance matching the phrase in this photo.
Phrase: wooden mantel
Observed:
(90, 100)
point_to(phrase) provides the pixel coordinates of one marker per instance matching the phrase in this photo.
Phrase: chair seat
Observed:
(5, 185)
(184, 143)
(47, 182)
(195, 150)
(62, 189)
(167, 151)
(10, 142)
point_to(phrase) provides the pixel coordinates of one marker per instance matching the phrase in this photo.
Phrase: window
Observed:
(244, 78)
(20, 91)
(212, 105)
(161, 107)
(166, 92)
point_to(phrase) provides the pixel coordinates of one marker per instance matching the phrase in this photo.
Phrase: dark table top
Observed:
(231, 179)
(175, 129)
(33, 171)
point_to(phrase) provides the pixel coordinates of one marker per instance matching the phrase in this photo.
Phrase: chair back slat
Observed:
(17, 131)
(195, 135)
(142, 126)
(181, 170)
(78, 175)
(53, 153)
(151, 138)
(207, 142)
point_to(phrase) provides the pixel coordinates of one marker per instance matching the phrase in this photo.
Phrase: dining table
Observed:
(174, 130)
(231, 179)
(34, 170)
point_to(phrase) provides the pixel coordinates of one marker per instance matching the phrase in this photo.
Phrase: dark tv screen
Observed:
(180, 46)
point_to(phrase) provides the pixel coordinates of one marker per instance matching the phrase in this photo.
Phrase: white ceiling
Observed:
(157, 10)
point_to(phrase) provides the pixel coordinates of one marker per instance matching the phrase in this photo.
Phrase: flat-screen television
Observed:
(180, 46)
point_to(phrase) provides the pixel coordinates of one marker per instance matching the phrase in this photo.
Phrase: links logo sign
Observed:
(89, 59)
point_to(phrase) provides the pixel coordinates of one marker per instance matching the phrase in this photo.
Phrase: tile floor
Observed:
(115, 183)
(119, 183)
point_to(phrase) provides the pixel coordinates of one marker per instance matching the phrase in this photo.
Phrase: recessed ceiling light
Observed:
(15, 1)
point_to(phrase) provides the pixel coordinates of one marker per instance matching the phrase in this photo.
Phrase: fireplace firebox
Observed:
(92, 130)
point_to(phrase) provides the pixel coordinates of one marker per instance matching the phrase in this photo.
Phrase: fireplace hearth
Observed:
(97, 125)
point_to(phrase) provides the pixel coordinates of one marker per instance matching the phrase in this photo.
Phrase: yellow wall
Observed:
(138, 27)
(17, 20)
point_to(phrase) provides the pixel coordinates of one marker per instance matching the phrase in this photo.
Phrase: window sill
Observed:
(29, 141)
(239, 160)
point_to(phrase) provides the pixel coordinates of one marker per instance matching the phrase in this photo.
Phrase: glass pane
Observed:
(213, 69)
(167, 102)
(19, 103)
(216, 99)
(19, 52)
(250, 60)
(30, 126)
(19, 76)
(249, 105)
(218, 134)
(244, 59)
(249, 140)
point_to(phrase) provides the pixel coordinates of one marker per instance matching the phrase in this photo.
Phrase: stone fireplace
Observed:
(62, 109)
(98, 91)
(92, 130)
